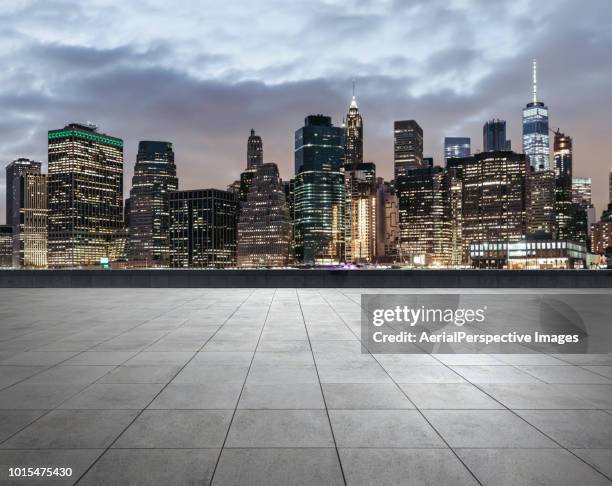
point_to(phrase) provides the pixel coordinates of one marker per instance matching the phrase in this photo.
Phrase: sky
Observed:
(201, 74)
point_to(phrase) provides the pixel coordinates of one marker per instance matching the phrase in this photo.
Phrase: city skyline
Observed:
(144, 86)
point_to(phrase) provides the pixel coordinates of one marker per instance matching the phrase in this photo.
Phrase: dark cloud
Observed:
(437, 62)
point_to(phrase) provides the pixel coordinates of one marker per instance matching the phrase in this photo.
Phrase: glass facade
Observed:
(457, 147)
(319, 192)
(85, 195)
(264, 225)
(494, 136)
(536, 144)
(26, 212)
(203, 228)
(149, 219)
(407, 146)
(424, 221)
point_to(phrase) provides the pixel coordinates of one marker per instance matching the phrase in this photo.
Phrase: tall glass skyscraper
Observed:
(26, 212)
(254, 151)
(536, 144)
(494, 136)
(154, 178)
(457, 147)
(85, 195)
(264, 224)
(319, 193)
(407, 146)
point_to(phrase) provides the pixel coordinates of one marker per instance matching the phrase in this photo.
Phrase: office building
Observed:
(26, 213)
(361, 213)
(254, 151)
(455, 215)
(582, 196)
(85, 195)
(571, 219)
(531, 253)
(494, 136)
(407, 146)
(203, 228)
(536, 145)
(541, 202)
(264, 224)
(494, 197)
(387, 222)
(353, 152)
(601, 236)
(457, 147)
(319, 192)
(149, 219)
(6, 246)
(423, 217)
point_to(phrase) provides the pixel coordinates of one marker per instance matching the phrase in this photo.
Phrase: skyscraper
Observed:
(6, 246)
(494, 136)
(610, 186)
(407, 146)
(26, 212)
(571, 219)
(319, 194)
(423, 217)
(581, 195)
(254, 151)
(360, 229)
(541, 202)
(582, 190)
(535, 130)
(353, 154)
(149, 219)
(264, 224)
(387, 222)
(457, 147)
(85, 194)
(494, 197)
(203, 228)
(360, 181)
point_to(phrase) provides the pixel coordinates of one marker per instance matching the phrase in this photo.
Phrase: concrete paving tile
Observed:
(212, 373)
(278, 467)
(38, 358)
(101, 358)
(600, 459)
(108, 396)
(9, 375)
(192, 396)
(455, 396)
(353, 372)
(282, 396)
(535, 396)
(24, 396)
(544, 467)
(67, 374)
(153, 467)
(565, 374)
(177, 429)
(584, 429)
(72, 429)
(160, 358)
(383, 429)
(274, 374)
(486, 429)
(598, 395)
(366, 396)
(12, 421)
(141, 374)
(494, 374)
(409, 467)
(280, 428)
(423, 374)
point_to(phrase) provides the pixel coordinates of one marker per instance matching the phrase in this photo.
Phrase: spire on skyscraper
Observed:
(535, 81)
(354, 100)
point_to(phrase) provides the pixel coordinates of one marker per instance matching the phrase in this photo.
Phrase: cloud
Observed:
(201, 75)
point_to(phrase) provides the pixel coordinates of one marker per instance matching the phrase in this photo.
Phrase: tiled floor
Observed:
(270, 387)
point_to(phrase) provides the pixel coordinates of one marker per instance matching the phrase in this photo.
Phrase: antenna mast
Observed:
(535, 81)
